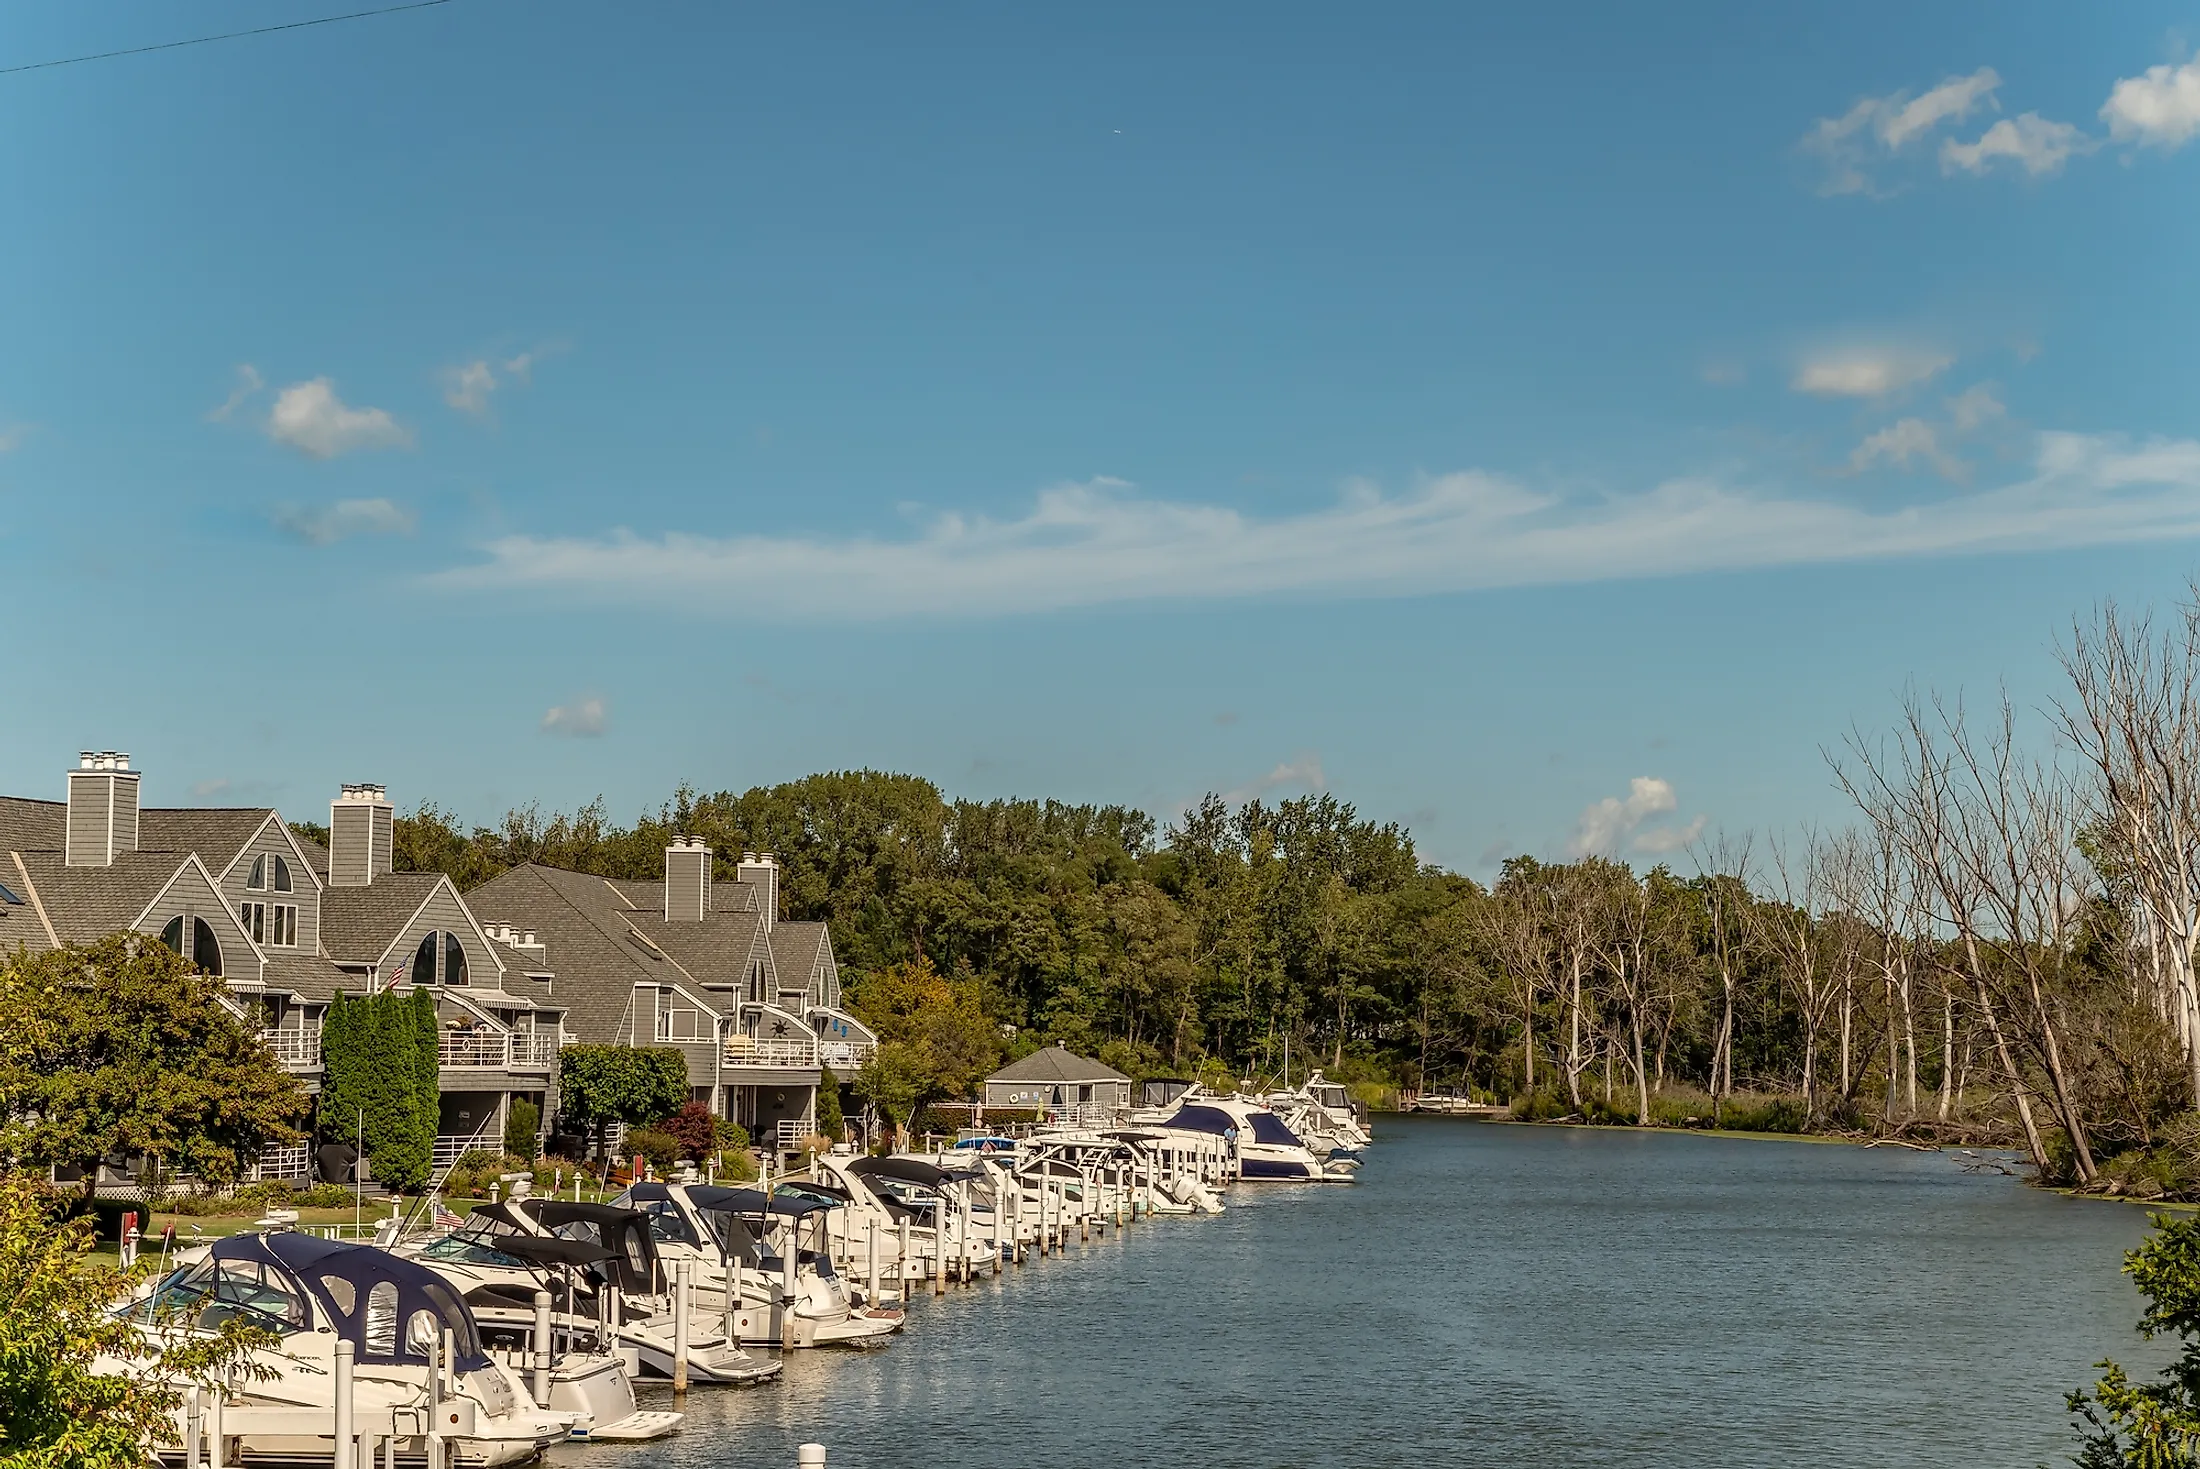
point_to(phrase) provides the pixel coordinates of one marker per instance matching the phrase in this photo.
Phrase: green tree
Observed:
(829, 1120)
(378, 1082)
(122, 1046)
(603, 1085)
(934, 1036)
(56, 1317)
(521, 1123)
(2152, 1425)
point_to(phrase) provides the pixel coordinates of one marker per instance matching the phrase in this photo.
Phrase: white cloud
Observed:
(1901, 442)
(581, 719)
(2160, 107)
(1974, 408)
(522, 366)
(1877, 128)
(1303, 774)
(1099, 543)
(1663, 839)
(1616, 821)
(309, 417)
(324, 525)
(1897, 122)
(2032, 142)
(468, 388)
(248, 383)
(1868, 372)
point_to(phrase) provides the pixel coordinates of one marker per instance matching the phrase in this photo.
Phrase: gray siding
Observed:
(350, 835)
(103, 817)
(384, 856)
(304, 894)
(443, 912)
(192, 896)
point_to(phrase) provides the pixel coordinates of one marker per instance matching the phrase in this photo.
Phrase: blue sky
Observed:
(1547, 428)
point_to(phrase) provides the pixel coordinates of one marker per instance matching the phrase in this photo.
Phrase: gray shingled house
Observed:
(699, 963)
(286, 923)
(1060, 1081)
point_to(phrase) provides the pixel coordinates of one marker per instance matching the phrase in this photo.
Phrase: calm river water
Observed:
(1494, 1296)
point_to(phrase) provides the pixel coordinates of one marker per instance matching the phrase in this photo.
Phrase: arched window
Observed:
(282, 876)
(203, 950)
(440, 959)
(257, 881)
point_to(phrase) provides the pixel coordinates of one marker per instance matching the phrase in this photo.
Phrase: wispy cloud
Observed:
(1615, 823)
(2031, 142)
(310, 418)
(2159, 108)
(1868, 371)
(1303, 774)
(1099, 543)
(582, 719)
(324, 525)
(249, 382)
(469, 386)
(1910, 441)
(1876, 129)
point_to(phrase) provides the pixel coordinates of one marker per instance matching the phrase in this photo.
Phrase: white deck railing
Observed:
(294, 1047)
(789, 1051)
(287, 1160)
(474, 1049)
(846, 1056)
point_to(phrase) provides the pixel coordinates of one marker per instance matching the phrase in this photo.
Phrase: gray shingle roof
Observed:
(358, 925)
(594, 929)
(216, 833)
(32, 826)
(87, 903)
(1055, 1064)
(308, 976)
(796, 950)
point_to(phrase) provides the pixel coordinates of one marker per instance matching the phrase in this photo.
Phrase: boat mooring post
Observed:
(435, 1401)
(1084, 1207)
(190, 1414)
(939, 1248)
(871, 1254)
(346, 1455)
(789, 1257)
(681, 1299)
(542, 1350)
(215, 1428)
(901, 1263)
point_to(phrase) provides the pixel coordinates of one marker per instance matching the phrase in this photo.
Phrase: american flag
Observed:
(444, 1218)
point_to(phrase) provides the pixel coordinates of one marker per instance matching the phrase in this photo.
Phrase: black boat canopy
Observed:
(376, 1300)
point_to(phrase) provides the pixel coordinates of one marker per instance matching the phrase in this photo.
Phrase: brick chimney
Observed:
(360, 836)
(687, 880)
(103, 809)
(762, 869)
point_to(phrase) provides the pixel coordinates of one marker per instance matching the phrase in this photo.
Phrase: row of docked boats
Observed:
(531, 1321)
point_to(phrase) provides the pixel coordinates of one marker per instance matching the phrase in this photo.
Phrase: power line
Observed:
(295, 25)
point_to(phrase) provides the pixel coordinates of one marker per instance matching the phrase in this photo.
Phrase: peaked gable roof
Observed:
(1057, 1064)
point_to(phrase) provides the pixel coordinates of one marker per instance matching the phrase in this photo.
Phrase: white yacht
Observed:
(399, 1318)
(742, 1242)
(1262, 1146)
(499, 1276)
(630, 1294)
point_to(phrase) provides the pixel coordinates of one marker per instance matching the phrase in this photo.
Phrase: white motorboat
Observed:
(415, 1344)
(1263, 1147)
(500, 1277)
(770, 1254)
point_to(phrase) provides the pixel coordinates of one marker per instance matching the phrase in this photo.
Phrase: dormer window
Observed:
(440, 959)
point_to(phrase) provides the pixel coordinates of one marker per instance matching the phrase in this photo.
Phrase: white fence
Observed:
(846, 1057)
(288, 1161)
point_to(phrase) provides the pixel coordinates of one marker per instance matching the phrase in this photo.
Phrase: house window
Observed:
(202, 951)
(454, 960)
(678, 1025)
(269, 871)
(270, 923)
(440, 959)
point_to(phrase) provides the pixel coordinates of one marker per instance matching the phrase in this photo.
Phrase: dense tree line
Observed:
(2002, 944)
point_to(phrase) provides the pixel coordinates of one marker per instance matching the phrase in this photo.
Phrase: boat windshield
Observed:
(205, 1295)
(1269, 1128)
(472, 1247)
